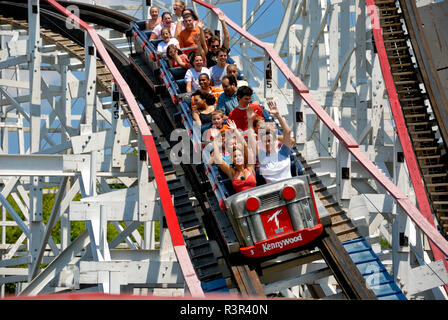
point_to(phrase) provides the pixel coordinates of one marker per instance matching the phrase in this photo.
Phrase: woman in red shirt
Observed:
(176, 57)
(242, 174)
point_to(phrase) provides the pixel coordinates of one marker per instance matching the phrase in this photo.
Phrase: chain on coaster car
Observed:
(268, 219)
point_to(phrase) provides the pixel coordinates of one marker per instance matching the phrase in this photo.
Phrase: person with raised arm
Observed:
(275, 161)
(180, 23)
(208, 33)
(242, 174)
(155, 20)
(189, 36)
(214, 43)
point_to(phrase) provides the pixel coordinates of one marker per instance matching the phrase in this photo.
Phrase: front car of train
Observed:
(277, 217)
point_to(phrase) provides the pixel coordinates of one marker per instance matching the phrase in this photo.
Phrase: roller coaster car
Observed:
(277, 217)
(264, 221)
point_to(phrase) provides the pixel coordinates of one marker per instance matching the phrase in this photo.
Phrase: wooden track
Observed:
(407, 77)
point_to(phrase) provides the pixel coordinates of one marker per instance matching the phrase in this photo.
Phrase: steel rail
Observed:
(343, 136)
(180, 249)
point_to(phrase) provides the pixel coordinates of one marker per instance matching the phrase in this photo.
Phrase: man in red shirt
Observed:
(238, 115)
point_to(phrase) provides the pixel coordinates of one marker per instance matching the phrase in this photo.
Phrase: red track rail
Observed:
(344, 137)
(188, 271)
(403, 134)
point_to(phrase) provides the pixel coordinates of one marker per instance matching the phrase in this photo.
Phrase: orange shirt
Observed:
(186, 38)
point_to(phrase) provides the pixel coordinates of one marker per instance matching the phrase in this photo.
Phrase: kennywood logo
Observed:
(280, 244)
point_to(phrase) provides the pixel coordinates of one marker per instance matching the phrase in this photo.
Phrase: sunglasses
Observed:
(214, 46)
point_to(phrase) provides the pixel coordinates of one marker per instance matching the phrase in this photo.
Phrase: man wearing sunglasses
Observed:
(214, 43)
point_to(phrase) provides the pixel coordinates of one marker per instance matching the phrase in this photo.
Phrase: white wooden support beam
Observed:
(117, 126)
(247, 67)
(65, 230)
(14, 104)
(144, 194)
(400, 226)
(333, 43)
(145, 9)
(34, 42)
(137, 272)
(284, 26)
(60, 165)
(343, 175)
(97, 228)
(65, 102)
(362, 84)
(124, 235)
(318, 24)
(50, 225)
(335, 113)
(56, 110)
(426, 277)
(347, 44)
(119, 205)
(36, 214)
(89, 143)
(89, 123)
(63, 259)
(294, 47)
(299, 124)
(309, 277)
(64, 210)
(15, 215)
(14, 61)
(377, 117)
(323, 45)
(212, 22)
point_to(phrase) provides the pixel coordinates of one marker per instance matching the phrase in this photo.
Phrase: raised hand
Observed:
(196, 39)
(221, 16)
(273, 109)
(231, 124)
(200, 24)
(250, 113)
